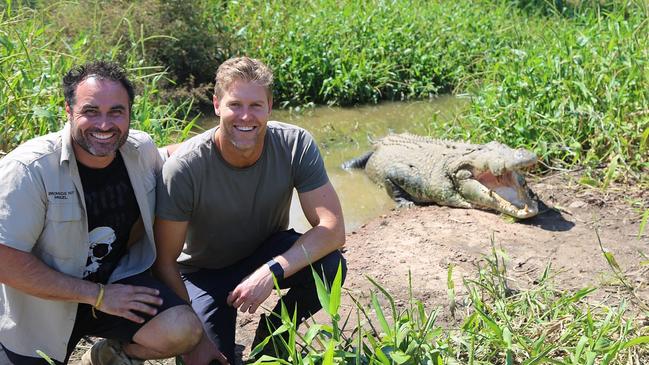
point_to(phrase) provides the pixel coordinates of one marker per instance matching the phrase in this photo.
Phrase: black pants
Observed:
(105, 325)
(209, 288)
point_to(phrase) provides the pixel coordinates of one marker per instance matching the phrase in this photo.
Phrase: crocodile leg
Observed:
(397, 194)
(456, 200)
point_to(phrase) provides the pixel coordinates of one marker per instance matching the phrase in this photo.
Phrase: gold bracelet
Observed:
(100, 299)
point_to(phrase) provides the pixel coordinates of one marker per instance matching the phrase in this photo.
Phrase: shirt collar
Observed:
(67, 152)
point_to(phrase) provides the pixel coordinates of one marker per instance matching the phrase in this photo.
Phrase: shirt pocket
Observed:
(63, 212)
(62, 234)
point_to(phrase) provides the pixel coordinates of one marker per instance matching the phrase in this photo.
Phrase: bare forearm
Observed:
(322, 209)
(169, 238)
(312, 246)
(169, 275)
(28, 274)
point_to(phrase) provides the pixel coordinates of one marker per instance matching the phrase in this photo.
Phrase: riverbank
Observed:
(408, 252)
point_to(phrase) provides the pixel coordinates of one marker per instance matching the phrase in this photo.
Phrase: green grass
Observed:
(498, 325)
(570, 82)
(34, 56)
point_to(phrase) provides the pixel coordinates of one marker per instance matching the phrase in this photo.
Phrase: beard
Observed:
(100, 149)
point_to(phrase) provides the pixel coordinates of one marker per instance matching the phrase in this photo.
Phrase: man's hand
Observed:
(204, 353)
(252, 291)
(28, 274)
(123, 300)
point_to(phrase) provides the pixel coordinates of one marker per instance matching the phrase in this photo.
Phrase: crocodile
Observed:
(420, 170)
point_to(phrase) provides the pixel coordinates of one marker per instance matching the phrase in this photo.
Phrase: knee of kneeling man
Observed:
(174, 331)
(188, 329)
(194, 327)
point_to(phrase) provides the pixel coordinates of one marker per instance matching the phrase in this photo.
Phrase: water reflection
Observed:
(345, 133)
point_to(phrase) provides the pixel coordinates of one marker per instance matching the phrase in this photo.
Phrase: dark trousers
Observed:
(209, 288)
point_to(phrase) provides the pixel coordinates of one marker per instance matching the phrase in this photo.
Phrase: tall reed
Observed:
(34, 56)
(567, 79)
(569, 82)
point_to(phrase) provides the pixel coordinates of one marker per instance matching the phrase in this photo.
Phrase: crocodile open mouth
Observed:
(508, 186)
(507, 193)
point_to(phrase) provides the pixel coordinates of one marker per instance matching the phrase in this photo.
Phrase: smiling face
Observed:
(244, 108)
(99, 119)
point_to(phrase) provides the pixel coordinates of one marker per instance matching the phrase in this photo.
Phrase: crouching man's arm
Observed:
(27, 273)
(327, 234)
(169, 237)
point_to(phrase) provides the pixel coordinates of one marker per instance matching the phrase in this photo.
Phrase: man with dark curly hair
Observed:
(76, 236)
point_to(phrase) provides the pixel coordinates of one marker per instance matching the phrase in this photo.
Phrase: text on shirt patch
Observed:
(60, 194)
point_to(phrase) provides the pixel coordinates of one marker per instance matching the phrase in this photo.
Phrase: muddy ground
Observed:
(423, 241)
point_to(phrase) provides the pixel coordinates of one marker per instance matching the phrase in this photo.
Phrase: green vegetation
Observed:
(35, 52)
(500, 325)
(573, 83)
(569, 79)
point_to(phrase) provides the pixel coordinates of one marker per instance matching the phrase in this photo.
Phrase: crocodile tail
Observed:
(357, 163)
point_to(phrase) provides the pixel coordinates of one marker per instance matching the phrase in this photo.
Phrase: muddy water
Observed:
(345, 133)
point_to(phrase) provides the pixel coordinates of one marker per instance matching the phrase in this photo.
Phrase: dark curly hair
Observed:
(104, 70)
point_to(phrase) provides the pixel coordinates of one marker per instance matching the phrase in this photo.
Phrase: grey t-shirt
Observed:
(231, 210)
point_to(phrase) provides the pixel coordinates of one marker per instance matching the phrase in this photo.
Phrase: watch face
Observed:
(276, 269)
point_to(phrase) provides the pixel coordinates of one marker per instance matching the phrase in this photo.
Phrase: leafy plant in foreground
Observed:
(500, 325)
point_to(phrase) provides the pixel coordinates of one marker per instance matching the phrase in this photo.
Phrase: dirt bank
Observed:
(423, 241)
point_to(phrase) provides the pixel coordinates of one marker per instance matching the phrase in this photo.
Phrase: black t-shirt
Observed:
(112, 211)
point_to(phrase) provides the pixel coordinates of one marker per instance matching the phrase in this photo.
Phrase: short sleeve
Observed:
(153, 156)
(164, 153)
(22, 207)
(310, 171)
(174, 191)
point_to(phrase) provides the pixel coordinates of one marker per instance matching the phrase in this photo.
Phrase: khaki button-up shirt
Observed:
(42, 211)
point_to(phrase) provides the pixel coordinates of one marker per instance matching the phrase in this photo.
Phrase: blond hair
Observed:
(243, 69)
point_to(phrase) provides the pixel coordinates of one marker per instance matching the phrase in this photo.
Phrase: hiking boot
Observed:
(107, 352)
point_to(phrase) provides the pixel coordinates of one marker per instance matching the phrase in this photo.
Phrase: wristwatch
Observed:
(276, 269)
